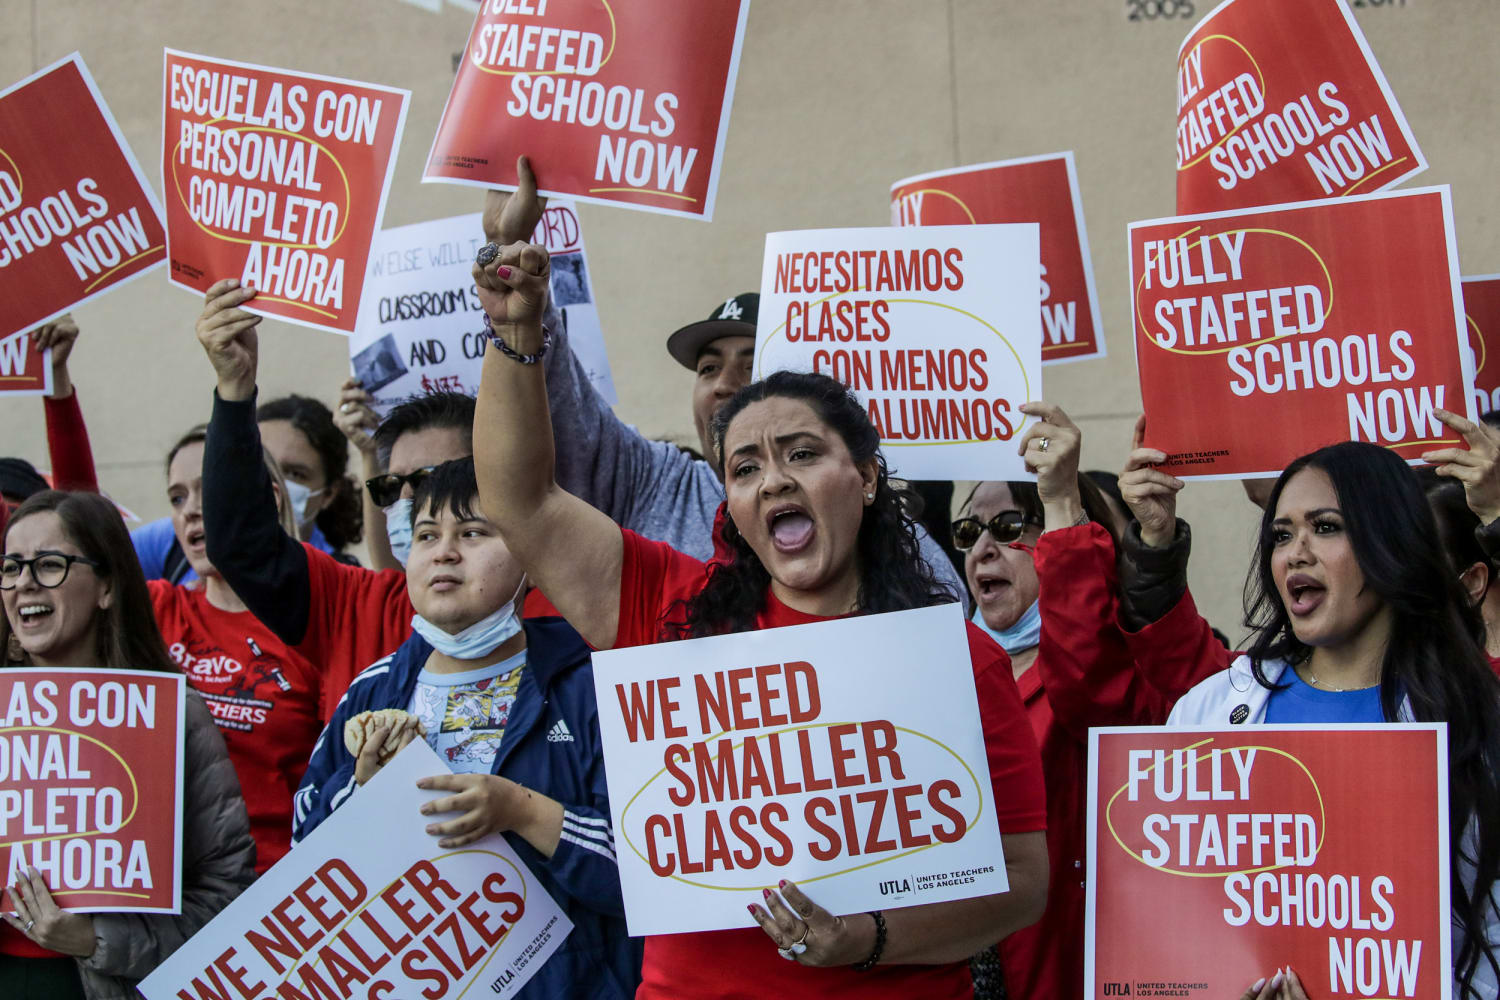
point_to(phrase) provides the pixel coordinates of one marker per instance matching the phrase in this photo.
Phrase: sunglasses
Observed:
(386, 490)
(1005, 527)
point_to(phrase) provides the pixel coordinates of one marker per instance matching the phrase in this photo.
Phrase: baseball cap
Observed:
(734, 317)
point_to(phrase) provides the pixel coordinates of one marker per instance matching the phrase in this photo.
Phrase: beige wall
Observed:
(836, 99)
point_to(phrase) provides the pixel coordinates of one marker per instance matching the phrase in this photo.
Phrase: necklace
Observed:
(1337, 690)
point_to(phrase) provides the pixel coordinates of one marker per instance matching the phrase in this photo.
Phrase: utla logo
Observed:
(1117, 989)
(895, 887)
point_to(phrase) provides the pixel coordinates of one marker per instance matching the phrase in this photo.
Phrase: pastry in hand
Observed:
(359, 727)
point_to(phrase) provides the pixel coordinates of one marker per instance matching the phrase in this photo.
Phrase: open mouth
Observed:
(32, 614)
(791, 528)
(195, 538)
(991, 587)
(1305, 594)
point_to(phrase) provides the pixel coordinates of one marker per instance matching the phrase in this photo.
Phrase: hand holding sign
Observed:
(810, 933)
(40, 918)
(1050, 449)
(228, 336)
(492, 804)
(1477, 467)
(354, 416)
(1150, 493)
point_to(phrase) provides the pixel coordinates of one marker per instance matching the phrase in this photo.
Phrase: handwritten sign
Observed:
(392, 912)
(1218, 856)
(77, 216)
(279, 179)
(91, 786)
(797, 753)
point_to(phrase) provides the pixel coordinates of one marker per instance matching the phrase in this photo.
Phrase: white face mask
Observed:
(398, 529)
(298, 496)
(480, 639)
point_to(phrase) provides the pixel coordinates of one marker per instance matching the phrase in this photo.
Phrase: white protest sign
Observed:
(798, 753)
(935, 328)
(421, 328)
(370, 899)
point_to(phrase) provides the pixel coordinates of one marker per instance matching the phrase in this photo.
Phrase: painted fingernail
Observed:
(1276, 979)
(503, 271)
(1258, 984)
(781, 884)
(766, 893)
(751, 908)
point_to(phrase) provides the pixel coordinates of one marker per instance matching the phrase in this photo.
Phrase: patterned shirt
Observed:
(465, 713)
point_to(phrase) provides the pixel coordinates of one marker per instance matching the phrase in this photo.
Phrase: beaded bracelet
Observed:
(512, 353)
(869, 963)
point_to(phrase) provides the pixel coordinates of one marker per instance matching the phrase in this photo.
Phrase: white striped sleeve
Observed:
(588, 833)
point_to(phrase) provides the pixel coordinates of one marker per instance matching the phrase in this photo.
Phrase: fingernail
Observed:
(766, 893)
(781, 884)
(504, 272)
(1276, 979)
(1258, 984)
(751, 908)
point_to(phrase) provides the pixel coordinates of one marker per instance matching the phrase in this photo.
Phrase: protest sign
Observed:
(1262, 335)
(278, 179)
(1040, 189)
(625, 104)
(24, 371)
(1281, 101)
(1319, 848)
(797, 753)
(421, 328)
(370, 900)
(935, 328)
(76, 214)
(91, 786)
(1482, 317)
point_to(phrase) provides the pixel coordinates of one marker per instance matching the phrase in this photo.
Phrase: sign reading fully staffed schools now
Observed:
(370, 905)
(276, 178)
(1264, 334)
(935, 328)
(798, 753)
(76, 214)
(619, 103)
(91, 786)
(1219, 856)
(1281, 101)
(1482, 317)
(421, 328)
(1040, 189)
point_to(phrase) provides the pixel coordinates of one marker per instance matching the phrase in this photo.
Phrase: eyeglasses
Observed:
(1005, 527)
(49, 569)
(386, 490)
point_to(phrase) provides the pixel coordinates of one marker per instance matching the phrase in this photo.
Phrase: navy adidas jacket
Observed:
(551, 744)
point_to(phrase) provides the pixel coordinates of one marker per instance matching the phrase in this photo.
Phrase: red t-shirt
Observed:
(357, 616)
(265, 699)
(744, 963)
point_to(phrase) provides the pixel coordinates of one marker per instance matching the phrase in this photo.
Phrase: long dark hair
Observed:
(342, 519)
(1434, 663)
(127, 636)
(893, 575)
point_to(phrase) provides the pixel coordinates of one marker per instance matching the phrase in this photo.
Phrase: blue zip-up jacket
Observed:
(551, 743)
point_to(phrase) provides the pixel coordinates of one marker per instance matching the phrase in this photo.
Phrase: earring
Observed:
(870, 497)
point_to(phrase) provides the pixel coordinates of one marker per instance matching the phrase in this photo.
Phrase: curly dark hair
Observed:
(1434, 664)
(893, 575)
(342, 520)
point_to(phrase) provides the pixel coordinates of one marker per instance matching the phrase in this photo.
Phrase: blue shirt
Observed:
(154, 540)
(1299, 701)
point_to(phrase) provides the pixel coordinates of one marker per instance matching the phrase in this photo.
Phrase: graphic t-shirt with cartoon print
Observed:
(465, 713)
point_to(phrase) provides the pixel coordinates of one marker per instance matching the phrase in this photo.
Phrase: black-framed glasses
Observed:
(49, 569)
(386, 490)
(1005, 527)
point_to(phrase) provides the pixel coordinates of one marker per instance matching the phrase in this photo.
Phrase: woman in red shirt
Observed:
(815, 532)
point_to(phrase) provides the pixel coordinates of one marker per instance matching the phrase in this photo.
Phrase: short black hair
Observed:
(451, 410)
(451, 484)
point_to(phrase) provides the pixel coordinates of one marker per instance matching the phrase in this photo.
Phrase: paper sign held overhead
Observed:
(77, 216)
(91, 786)
(278, 179)
(1264, 334)
(1040, 189)
(935, 328)
(1281, 101)
(797, 753)
(24, 371)
(1482, 317)
(1322, 848)
(620, 103)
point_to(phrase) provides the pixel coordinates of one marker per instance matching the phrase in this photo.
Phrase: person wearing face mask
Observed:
(74, 597)
(1040, 562)
(509, 706)
(269, 702)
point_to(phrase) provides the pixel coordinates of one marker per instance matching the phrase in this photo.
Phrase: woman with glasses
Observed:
(74, 596)
(1040, 561)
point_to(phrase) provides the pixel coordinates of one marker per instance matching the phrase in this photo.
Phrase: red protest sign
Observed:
(1262, 335)
(1323, 848)
(76, 214)
(278, 179)
(24, 371)
(1281, 101)
(1482, 317)
(619, 103)
(91, 785)
(1040, 189)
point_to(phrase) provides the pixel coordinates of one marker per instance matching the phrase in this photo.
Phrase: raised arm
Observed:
(67, 437)
(573, 552)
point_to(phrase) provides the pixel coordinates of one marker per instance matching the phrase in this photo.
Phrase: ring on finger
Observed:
(346, 408)
(787, 954)
(487, 254)
(29, 924)
(1042, 444)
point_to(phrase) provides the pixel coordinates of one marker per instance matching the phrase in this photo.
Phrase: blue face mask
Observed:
(298, 496)
(1023, 635)
(398, 529)
(478, 640)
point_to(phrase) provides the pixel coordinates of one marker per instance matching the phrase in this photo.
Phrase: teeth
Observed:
(35, 609)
